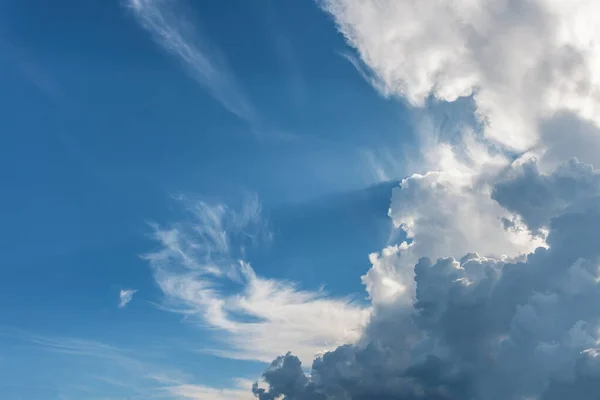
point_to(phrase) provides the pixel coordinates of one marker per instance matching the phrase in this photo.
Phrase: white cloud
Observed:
(526, 65)
(171, 27)
(517, 321)
(447, 212)
(522, 61)
(125, 296)
(242, 390)
(201, 270)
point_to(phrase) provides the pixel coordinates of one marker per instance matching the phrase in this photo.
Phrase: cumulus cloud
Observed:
(448, 212)
(419, 50)
(522, 61)
(202, 269)
(169, 24)
(125, 296)
(491, 296)
(480, 327)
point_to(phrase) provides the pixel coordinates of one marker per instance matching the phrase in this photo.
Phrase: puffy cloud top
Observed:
(522, 60)
(479, 327)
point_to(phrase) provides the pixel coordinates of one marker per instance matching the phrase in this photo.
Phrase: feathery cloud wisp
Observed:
(173, 31)
(201, 270)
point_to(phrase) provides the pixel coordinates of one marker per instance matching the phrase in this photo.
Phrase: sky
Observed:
(317, 200)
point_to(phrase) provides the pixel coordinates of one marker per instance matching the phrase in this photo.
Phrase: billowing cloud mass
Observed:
(522, 60)
(480, 327)
(492, 296)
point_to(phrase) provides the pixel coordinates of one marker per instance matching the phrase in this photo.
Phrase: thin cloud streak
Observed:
(122, 368)
(175, 33)
(31, 70)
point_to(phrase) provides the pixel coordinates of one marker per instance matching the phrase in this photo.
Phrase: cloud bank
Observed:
(492, 295)
(480, 327)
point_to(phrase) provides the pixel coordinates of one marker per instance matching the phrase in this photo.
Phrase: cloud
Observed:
(566, 135)
(91, 368)
(171, 28)
(419, 51)
(86, 367)
(202, 270)
(125, 296)
(521, 61)
(480, 327)
(491, 296)
(445, 212)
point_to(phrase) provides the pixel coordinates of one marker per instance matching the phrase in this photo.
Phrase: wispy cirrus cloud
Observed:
(173, 30)
(93, 368)
(116, 372)
(30, 69)
(125, 296)
(202, 271)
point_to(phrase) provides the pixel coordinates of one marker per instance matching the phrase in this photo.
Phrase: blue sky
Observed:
(327, 199)
(103, 129)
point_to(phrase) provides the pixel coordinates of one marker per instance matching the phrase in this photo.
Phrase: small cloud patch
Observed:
(125, 296)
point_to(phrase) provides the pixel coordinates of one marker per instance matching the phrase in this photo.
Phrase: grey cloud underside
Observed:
(482, 328)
